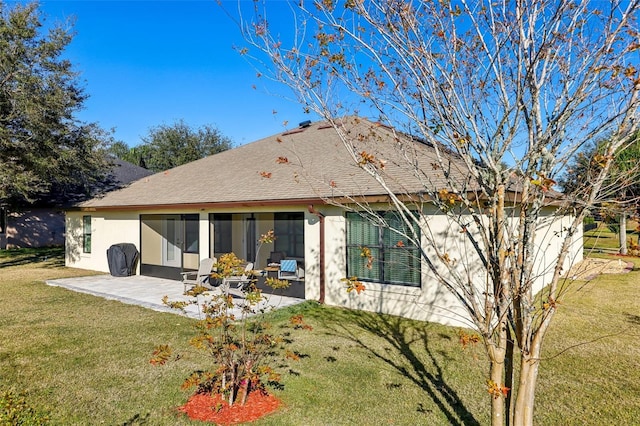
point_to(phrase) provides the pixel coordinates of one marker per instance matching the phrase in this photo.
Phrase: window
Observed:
(191, 233)
(289, 231)
(393, 258)
(86, 234)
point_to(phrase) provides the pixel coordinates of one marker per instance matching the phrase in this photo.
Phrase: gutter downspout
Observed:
(320, 216)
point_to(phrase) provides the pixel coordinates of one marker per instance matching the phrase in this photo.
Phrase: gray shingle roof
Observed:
(124, 172)
(303, 164)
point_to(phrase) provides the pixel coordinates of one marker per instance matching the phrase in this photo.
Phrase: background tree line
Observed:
(168, 146)
(42, 143)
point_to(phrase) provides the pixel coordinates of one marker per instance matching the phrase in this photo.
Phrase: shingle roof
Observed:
(124, 172)
(119, 174)
(306, 163)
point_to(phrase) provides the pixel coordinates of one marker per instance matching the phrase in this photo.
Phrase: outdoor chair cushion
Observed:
(288, 265)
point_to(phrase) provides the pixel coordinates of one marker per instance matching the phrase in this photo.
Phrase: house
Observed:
(42, 223)
(292, 183)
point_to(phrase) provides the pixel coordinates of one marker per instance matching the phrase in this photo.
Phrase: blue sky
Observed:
(146, 63)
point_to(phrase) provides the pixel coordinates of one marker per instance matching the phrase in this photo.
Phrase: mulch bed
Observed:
(204, 407)
(590, 268)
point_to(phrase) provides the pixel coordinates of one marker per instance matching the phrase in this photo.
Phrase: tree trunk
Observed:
(502, 295)
(523, 412)
(497, 403)
(623, 233)
(508, 379)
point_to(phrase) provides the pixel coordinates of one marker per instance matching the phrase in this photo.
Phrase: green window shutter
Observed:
(402, 260)
(361, 232)
(357, 264)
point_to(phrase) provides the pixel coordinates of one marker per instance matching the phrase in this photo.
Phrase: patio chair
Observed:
(290, 270)
(199, 277)
(239, 280)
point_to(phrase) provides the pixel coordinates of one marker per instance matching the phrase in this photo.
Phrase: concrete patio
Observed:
(149, 291)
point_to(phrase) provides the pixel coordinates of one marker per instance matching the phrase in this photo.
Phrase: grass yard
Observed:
(592, 374)
(84, 360)
(602, 239)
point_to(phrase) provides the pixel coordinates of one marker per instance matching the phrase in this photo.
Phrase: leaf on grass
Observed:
(161, 355)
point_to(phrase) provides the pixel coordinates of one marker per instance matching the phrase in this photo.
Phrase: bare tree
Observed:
(512, 90)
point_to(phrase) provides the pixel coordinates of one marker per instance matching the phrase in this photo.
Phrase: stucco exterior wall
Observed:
(151, 232)
(432, 301)
(429, 302)
(334, 253)
(106, 229)
(551, 233)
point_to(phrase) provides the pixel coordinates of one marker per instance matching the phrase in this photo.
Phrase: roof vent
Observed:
(304, 124)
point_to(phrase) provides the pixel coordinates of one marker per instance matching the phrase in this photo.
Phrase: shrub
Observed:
(243, 349)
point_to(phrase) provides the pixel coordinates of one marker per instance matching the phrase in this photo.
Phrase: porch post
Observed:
(320, 216)
(204, 235)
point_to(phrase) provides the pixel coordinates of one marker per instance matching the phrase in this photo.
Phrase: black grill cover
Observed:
(123, 259)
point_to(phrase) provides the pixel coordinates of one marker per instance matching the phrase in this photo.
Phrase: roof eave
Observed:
(199, 206)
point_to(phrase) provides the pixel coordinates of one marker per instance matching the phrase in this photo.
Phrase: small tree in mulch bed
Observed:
(242, 349)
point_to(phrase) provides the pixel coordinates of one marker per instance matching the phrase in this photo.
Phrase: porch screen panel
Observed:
(289, 231)
(222, 233)
(169, 247)
(191, 233)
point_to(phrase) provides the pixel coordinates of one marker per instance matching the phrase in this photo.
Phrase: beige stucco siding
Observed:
(106, 229)
(551, 233)
(334, 255)
(152, 234)
(432, 301)
(429, 302)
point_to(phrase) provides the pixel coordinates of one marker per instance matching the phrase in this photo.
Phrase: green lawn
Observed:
(602, 239)
(85, 360)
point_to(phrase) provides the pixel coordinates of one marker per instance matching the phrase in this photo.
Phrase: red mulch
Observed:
(203, 407)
